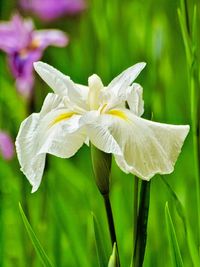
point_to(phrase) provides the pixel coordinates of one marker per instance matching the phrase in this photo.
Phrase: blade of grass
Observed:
(99, 243)
(188, 232)
(189, 34)
(63, 213)
(177, 259)
(38, 248)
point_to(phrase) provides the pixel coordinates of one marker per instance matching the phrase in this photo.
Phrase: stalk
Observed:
(111, 225)
(110, 219)
(102, 166)
(189, 37)
(141, 236)
(135, 209)
(135, 214)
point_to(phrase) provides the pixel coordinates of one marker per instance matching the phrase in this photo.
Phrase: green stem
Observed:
(142, 221)
(135, 214)
(111, 222)
(110, 218)
(135, 209)
(101, 162)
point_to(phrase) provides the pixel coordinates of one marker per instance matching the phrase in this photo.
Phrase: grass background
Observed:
(105, 39)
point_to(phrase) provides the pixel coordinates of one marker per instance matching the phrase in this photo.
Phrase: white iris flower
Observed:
(108, 117)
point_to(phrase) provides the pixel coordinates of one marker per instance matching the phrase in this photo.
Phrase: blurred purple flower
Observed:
(52, 9)
(6, 146)
(24, 45)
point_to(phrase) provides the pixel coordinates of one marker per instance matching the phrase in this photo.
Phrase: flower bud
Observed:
(101, 162)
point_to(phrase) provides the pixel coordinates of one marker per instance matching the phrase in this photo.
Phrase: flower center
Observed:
(23, 53)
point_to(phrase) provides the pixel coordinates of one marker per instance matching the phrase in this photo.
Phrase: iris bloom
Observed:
(52, 9)
(6, 146)
(24, 45)
(108, 117)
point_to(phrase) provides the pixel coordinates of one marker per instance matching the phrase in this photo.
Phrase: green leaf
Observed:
(177, 202)
(185, 29)
(102, 259)
(178, 262)
(38, 248)
(113, 261)
(194, 29)
(188, 232)
(141, 235)
(63, 212)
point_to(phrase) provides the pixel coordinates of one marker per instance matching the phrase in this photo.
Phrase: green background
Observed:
(105, 39)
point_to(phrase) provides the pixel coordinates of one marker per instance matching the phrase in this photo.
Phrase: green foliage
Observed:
(188, 232)
(177, 259)
(188, 25)
(38, 248)
(99, 243)
(63, 212)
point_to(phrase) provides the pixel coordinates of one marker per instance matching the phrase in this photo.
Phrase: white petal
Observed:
(98, 133)
(116, 90)
(84, 91)
(95, 86)
(26, 146)
(62, 84)
(64, 138)
(27, 142)
(148, 147)
(47, 133)
(135, 100)
(52, 101)
(126, 77)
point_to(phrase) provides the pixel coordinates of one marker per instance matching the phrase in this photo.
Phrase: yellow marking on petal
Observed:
(103, 108)
(61, 117)
(118, 113)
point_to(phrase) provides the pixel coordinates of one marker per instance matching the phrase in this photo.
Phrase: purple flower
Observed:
(52, 9)
(24, 45)
(6, 146)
